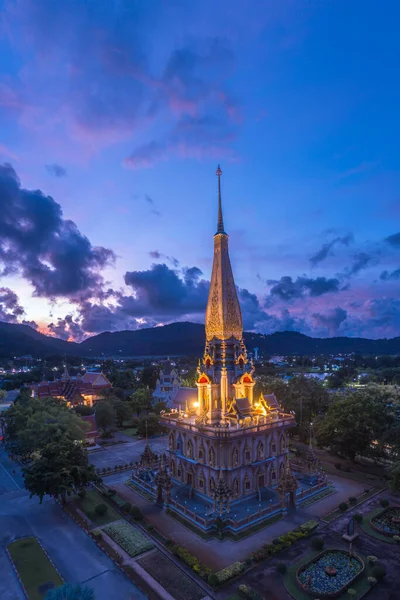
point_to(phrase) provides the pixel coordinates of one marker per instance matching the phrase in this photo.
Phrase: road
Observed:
(123, 453)
(73, 552)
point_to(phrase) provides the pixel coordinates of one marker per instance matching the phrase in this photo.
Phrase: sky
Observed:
(113, 118)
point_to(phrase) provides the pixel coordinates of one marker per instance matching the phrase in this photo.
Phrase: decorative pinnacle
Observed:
(220, 228)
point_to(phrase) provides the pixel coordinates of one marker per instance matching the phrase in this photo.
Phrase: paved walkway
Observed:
(218, 554)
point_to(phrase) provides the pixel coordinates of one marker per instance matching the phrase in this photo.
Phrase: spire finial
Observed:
(220, 228)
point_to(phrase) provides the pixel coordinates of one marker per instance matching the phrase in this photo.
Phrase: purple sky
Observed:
(113, 118)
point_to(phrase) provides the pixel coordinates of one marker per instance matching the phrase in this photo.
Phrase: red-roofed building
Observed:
(82, 389)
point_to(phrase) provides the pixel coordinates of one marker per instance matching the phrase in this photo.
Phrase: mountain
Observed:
(180, 339)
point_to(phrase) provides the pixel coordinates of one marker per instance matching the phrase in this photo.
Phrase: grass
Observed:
(131, 431)
(34, 568)
(175, 581)
(329, 517)
(366, 526)
(88, 504)
(130, 539)
(289, 579)
(138, 490)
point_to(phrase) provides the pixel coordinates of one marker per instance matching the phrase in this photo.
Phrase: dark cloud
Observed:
(47, 250)
(67, 328)
(255, 318)
(390, 276)
(161, 292)
(393, 240)
(288, 289)
(362, 261)
(10, 308)
(331, 320)
(148, 199)
(156, 255)
(56, 170)
(327, 248)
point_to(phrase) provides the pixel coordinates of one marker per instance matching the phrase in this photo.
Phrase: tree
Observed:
(149, 377)
(61, 469)
(68, 591)
(3, 395)
(30, 424)
(142, 401)
(123, 411)
(105, 416)
(153, 425)
(354, 422)
(395, 477)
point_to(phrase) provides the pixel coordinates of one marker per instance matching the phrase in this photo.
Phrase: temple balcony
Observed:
(227, 431)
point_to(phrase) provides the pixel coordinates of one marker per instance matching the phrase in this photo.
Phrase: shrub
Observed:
(338, 465)
(343, 506)
(351, 592)
(249, 593)
(101, 509)
(379, 572)
(372, 559)
(231, 571)
(352, 499)
(358, 518)
(213, 580)
(126, 507)
(111, 492)
(82, 493)
(168, 542)
(317, 543)
(384, 502)
(281, 568)
(372, 581)
(136, 513)
(150, 527)
(309, 526)
(97, 534)
(396, 538)
(276, 542)
(366, 491)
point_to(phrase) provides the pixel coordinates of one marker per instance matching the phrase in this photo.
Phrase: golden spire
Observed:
(223, 314)
(220, 228)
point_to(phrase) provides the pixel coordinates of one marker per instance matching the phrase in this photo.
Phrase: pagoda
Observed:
(227, 447)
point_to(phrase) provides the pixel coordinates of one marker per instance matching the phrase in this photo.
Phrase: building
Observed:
(82, 389)
(227, 448)
(167, 387)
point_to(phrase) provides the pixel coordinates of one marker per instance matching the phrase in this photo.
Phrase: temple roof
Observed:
(223, 314)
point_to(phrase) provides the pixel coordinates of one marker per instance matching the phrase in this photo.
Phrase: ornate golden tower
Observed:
(224, 375)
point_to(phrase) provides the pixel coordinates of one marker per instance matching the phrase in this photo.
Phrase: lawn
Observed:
(175, 581)
(133, 541)
(34, 568)
(131, 431)
(88, 504)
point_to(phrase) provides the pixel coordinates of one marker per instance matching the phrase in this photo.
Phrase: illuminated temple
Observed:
(227, 449)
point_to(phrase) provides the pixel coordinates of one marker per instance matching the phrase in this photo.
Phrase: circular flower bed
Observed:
(387, 521)
(330, 573)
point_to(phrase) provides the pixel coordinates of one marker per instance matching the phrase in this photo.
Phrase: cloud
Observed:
(327, 248)
(393, 240)
(330, 320)
(56, 170)
(156, 255)
(288, 289)
(44, 248)
(362, 260)
(393, 276)
(10, 308)
(67, 329)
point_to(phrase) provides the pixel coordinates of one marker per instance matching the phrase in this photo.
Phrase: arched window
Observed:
(201, 454)
(260, 451)
(171, 441)
(273, 448)
(283, 444)
(272, 477)
(247, 485)
(247, 455)
(212, 484)
(235, 487)
(235, 457)
(172, 468)
(179, 444)
(190, 449)
(211, 457)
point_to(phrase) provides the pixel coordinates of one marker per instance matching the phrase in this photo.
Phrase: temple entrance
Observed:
(261, 481)
(189, 478)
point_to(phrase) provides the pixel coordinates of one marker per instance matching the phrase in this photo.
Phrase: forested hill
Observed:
(180, 339)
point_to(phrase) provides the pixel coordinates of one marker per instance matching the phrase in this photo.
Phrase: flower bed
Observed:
(128, 537)
(329, 574)
(319, 496)
(387, 521)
